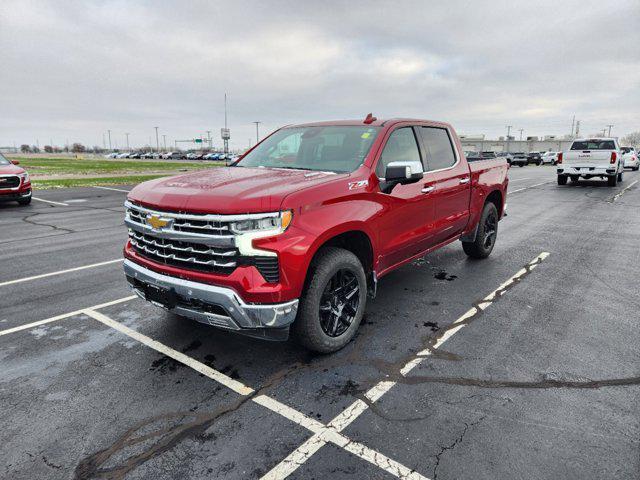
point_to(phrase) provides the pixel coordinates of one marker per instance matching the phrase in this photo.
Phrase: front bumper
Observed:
(211, 304)
(11, 196)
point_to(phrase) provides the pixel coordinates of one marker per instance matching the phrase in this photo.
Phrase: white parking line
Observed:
(305, 451)
(221, 378)
(60, 272)
(114, 189)
(64, 315)
(623, 190)
(518, 180)
(49, 201)
(527, 188)
(326, 434)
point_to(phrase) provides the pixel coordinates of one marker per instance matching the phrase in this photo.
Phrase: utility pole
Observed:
(573, 122)
(257, 131)
(209, 138)
(109, 133)
(508, 136)
(157, 141)
(610, 126)
(104, 141)
(127, 135)
(604, 131)
(521, 130)
(164, 142)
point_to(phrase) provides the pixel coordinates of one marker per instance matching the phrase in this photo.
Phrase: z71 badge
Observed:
(360, 184)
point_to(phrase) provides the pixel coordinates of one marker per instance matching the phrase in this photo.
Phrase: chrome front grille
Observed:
(191, 241)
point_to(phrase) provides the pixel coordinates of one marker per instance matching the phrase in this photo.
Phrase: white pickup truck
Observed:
(591, 157)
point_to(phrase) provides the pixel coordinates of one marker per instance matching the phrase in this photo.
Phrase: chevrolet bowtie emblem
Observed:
(156, 222)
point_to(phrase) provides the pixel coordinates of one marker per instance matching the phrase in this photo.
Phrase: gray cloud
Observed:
(72, 70)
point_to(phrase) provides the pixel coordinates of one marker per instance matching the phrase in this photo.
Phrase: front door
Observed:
(406, 221)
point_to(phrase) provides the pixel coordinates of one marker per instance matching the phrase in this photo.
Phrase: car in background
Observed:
(111, 155)
(534, 157)
(520, 159)
(123, 155)
(135, 155)
(15, 185)
(550, 157)
(591, 157)
(506, 155)
(630, 158)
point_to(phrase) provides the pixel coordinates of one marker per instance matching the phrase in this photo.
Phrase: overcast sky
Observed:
(71, 70)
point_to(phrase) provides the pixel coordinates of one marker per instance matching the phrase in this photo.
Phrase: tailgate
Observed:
(587, 157)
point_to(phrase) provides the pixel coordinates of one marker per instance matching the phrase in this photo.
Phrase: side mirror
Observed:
(15, 162)
(401, 173)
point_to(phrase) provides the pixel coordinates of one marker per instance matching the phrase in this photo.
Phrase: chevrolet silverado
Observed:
(591, 157)
(296, 234)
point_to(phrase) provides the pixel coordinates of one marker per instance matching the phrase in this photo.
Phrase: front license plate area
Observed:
(163, 297)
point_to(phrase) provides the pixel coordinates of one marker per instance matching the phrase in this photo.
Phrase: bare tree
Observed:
(48, 148)
(632, 139)
(78, 148)
(24, 148)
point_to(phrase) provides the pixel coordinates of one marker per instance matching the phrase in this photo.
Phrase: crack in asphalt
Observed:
(453, 445)
(28, 220)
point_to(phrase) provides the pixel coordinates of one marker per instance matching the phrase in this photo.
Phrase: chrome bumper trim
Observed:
(241, 315)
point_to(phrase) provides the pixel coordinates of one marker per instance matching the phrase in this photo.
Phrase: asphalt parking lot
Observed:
(524, 365)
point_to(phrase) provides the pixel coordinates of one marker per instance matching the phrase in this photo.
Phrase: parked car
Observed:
(591, 157)
(550, 158)
(520, 159)
(506, 155)
(15, 185)
(123, 155)
(111, 155)
(300, 230)
(630, 158)
(135, 155)
(535, 158)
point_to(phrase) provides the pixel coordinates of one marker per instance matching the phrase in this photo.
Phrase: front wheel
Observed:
(25, 201)
(332, 304)
(486, 234)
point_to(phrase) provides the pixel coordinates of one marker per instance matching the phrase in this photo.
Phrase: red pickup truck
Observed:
(298, 232)
(14, 182)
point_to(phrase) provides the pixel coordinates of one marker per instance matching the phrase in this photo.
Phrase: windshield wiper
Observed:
(294, 168)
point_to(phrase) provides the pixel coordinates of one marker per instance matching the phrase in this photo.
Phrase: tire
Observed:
(521, 165)
(316, 319)
(562, 179)
(25, 201)
(486, 235)
(612, 181)
(636, 168)
(620, 175)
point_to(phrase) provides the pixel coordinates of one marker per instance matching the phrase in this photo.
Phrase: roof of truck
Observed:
(378, 122)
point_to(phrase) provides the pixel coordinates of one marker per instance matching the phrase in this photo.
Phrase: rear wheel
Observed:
(562, 179)
(612, 180)
(486, 235)
(620, 175)
(333, 302)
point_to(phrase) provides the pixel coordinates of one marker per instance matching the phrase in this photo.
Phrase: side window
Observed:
(401, 146)
(440, 149)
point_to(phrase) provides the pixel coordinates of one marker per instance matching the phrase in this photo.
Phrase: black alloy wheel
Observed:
(339, 303)
(490, 229)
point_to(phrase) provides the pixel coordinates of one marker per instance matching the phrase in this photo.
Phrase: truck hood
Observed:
(226, 190)
(11, 170)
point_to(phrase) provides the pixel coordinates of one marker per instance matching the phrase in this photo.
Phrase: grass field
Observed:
(64, 166)
(73, 172)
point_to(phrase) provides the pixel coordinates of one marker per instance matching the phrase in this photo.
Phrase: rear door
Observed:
(451, 179)
(406, 221)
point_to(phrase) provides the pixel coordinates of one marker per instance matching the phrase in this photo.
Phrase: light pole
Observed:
(508, 136)
(209, 138)
(108, 133)
(521, 130)
(610, 126)
(157, 141)
(164, 142)
(257, 131)
(127, 135)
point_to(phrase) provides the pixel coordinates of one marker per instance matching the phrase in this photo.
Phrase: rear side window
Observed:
(401, 146)
(438, 144)
(593, 145)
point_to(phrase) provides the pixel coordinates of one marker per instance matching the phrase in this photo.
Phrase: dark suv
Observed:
(534, 157)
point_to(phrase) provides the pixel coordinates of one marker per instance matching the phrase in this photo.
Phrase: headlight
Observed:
(277, 224)
(24, 177)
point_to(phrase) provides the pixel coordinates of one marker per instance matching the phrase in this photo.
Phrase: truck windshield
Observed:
(3, 160)
(332, 148)
(593, 145)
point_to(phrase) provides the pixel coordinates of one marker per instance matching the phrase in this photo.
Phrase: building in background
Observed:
(478, 143)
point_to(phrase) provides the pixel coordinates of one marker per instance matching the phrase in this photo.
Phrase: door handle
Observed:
(428, 189)
(465, 180)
